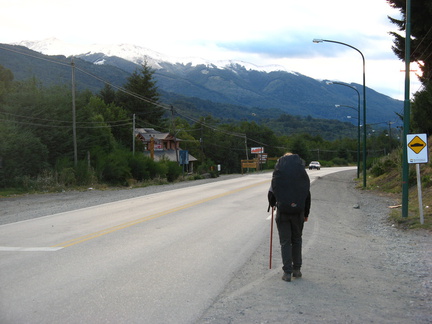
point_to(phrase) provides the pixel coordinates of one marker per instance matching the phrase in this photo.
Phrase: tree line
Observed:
(37, 142)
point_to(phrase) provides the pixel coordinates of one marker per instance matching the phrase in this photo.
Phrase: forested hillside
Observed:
(234, 85)
(40, 147)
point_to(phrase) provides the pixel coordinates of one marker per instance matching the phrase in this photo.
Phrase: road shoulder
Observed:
(357, 267)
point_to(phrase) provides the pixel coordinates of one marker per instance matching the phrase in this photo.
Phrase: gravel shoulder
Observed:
(357, 267)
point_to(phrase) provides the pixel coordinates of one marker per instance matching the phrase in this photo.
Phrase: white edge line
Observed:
(29, 249)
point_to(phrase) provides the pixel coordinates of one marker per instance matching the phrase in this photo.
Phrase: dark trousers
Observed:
(290, 228)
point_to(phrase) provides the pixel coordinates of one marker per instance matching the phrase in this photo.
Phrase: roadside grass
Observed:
(386, 176)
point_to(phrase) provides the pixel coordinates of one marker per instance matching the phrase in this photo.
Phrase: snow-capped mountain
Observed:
(133, 53)
(229, 83)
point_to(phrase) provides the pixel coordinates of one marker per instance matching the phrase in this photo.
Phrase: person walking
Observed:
(290, 194)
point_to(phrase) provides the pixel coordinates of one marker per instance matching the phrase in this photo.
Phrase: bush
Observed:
(139, 166)
(383, 165)
(205, 167)
(173, 170)
(85, 174)
(426, 181)
(340, 161)
(67, 177)
(115, 168)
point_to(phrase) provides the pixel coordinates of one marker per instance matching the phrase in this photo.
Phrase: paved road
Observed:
(161, 258)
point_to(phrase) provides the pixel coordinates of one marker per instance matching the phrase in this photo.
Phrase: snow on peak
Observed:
(53, 46)
(136, 54)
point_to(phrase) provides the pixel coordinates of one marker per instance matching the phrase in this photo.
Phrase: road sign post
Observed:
(418, 153)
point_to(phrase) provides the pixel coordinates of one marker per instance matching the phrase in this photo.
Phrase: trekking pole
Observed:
(271, 239)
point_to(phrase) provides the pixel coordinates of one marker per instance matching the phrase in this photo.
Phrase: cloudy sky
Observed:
(272, 32)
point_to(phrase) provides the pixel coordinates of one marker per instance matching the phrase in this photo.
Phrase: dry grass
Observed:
(390, 182)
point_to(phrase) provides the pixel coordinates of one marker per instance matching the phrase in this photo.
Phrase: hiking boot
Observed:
(297, 273)
(286, 276)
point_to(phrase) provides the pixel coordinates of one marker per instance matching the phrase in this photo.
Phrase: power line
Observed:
(61, 126)
(91, 75)
(64, 121)
(155, 103)
(36, 57)
(123, 122)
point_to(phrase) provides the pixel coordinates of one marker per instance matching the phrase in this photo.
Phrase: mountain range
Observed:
(232, 89)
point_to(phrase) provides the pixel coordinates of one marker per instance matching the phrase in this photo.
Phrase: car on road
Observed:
(314, 165)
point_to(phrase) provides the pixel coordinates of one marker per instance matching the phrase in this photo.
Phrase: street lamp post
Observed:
(358, 136)
(358, 118)
(364, 100)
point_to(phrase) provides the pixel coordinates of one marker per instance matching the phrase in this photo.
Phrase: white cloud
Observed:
(271, 32)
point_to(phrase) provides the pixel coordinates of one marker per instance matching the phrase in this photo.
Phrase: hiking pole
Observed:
(271, 239)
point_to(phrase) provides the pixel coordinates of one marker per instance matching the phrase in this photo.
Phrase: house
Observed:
(164, 145)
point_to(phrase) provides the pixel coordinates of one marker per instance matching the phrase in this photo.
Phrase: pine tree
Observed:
(421, 33)
(107, 94)
(141, 96)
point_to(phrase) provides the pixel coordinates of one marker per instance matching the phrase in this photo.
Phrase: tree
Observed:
(22, 154)
(93, 125)
(141, 96)
(299, 147)
(44, 111)
(421, 52)
(421, 26)
(107, 94)
(6, 78)
(422, 110)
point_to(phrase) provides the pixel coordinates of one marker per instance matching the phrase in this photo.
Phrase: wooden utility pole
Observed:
(133, 134)
(74, 115)
(152, 147)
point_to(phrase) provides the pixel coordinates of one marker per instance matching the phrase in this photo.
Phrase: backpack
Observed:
(290, 184)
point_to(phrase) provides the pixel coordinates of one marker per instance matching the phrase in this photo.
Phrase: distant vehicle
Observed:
(314, 165)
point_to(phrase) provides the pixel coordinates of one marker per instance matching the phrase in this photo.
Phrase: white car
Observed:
(314, 165)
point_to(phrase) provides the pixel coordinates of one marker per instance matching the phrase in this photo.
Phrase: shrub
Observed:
(377, 169)
(173, 170)
(139, 166)
(85, 174)
(115, 168)
(340, 161)
(67, 177)
(383, 165)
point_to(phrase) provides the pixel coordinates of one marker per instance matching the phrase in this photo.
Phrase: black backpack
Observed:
(290, 184)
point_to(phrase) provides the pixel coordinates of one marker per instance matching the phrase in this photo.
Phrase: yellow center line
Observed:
(150, 217)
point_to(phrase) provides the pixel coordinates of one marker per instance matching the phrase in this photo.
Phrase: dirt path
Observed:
(357, 268)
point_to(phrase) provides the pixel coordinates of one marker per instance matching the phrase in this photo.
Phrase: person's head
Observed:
(288, 153)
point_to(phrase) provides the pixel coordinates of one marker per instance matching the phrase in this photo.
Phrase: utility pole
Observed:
(74, 115)
(133, 134)
(202, 140)
(247, 155)
(151, 147)
(406, 118)
(172, 120)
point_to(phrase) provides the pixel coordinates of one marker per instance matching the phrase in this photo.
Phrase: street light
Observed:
(358, 135)
(364, 100)
(358, 118)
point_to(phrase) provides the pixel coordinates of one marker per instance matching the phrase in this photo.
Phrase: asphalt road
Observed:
(171, 257)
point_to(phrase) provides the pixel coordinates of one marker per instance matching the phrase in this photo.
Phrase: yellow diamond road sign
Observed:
(417, 148)
(417, 144)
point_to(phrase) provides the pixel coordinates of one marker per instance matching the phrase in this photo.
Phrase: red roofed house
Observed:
(165, 145)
